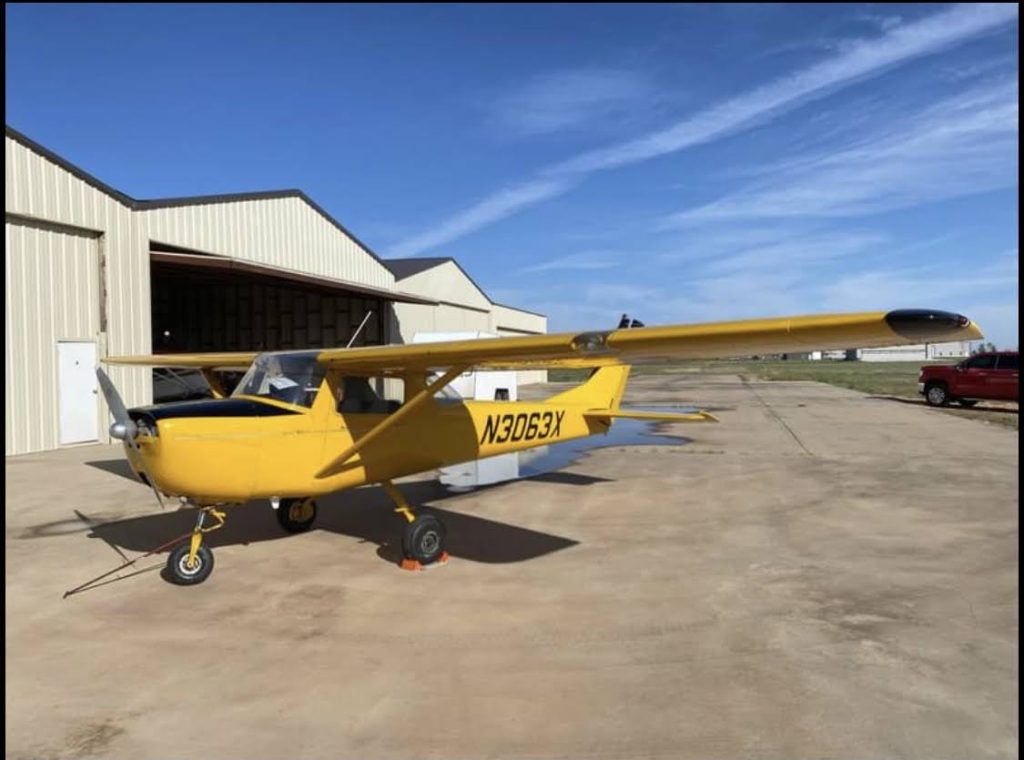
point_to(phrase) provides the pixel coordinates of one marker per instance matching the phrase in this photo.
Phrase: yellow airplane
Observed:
(301, 424)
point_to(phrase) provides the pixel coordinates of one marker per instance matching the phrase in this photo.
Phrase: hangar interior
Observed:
(198, 308)
(93, 272)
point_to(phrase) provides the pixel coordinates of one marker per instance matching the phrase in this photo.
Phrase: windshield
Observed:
(293, 378)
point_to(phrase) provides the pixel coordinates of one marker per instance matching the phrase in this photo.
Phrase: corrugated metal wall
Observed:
(446, 282)
(509, 321)
(410, 319)
(280, 232)
(39, 189)
(52, 294)
(515, 321)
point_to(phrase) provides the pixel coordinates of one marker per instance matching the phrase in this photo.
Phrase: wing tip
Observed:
(924, 324)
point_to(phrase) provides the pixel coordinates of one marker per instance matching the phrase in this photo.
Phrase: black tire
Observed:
(936, 394)
(296, 515)
(178, 571)
(967, 402)
(423, 539)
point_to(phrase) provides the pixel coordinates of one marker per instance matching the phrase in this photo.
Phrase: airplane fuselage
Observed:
(238, 449)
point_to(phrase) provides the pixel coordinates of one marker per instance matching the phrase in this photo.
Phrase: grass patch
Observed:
(568, 375)
(880, 378)
(896, 379)
(884, 378)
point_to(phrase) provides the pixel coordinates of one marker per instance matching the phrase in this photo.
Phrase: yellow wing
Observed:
(642, 345)
(234, 360)
(657, 344)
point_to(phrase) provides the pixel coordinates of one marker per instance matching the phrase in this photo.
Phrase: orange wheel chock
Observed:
(411, 564)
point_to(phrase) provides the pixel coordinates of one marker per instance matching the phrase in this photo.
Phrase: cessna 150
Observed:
(301, 424)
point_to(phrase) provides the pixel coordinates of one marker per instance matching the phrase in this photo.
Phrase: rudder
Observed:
(602, 390)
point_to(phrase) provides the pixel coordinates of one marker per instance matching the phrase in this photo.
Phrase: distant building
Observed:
(918, 353)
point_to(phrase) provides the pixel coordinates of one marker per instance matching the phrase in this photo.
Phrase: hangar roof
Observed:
(192, 200)
(400, 268)
(403, 268)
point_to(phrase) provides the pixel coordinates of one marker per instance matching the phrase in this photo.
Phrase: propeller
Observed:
(124, 428)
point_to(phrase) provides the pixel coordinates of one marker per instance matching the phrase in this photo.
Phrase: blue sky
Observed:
(680, 163)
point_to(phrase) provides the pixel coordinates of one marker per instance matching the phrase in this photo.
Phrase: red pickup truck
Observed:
(990, 375)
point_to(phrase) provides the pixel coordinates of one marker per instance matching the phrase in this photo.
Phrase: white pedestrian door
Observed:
(77, 387)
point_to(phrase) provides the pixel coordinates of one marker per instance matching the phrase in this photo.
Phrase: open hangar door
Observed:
(206, 303)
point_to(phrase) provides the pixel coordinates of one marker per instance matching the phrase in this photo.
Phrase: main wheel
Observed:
(423, 539)
(180, 572)
(967, 402)
(296, 515)
(936, 394)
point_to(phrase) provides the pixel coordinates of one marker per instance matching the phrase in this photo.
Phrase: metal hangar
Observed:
(92, 272)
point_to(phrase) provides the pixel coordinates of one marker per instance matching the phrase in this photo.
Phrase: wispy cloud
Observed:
(773, 245)
(881, 288)
(569, 99)
(958, 147)
(798, 251)
(1003, 64)
(883, 22)
(860, 60)
(803, 272)
(615, 292)
(490, 209)
(587, 260)
(857, 61)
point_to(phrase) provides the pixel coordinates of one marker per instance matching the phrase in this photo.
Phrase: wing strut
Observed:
(406, 409)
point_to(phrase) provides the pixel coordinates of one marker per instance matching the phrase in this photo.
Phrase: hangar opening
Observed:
(206, 303)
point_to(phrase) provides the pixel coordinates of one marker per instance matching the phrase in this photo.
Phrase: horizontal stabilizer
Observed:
(654, 416)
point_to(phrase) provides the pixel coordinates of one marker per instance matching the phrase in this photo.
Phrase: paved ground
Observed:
(822, 575)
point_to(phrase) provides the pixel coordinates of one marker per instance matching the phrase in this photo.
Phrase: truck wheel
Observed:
(936, 394)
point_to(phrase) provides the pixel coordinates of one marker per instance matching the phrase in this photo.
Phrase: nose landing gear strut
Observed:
(187, 564)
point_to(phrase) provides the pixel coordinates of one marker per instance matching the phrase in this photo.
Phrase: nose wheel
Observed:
(423, 536)
(191, 563)
(184, 570)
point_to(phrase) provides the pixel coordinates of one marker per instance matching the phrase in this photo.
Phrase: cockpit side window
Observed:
(357, 396)
(293, 378)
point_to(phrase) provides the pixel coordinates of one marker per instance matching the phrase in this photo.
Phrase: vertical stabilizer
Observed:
(602, 390)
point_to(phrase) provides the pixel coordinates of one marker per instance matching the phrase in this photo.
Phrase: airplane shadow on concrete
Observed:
(364, 513)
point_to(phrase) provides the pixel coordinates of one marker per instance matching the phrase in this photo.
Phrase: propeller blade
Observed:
(124, 428)
(114, 402)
